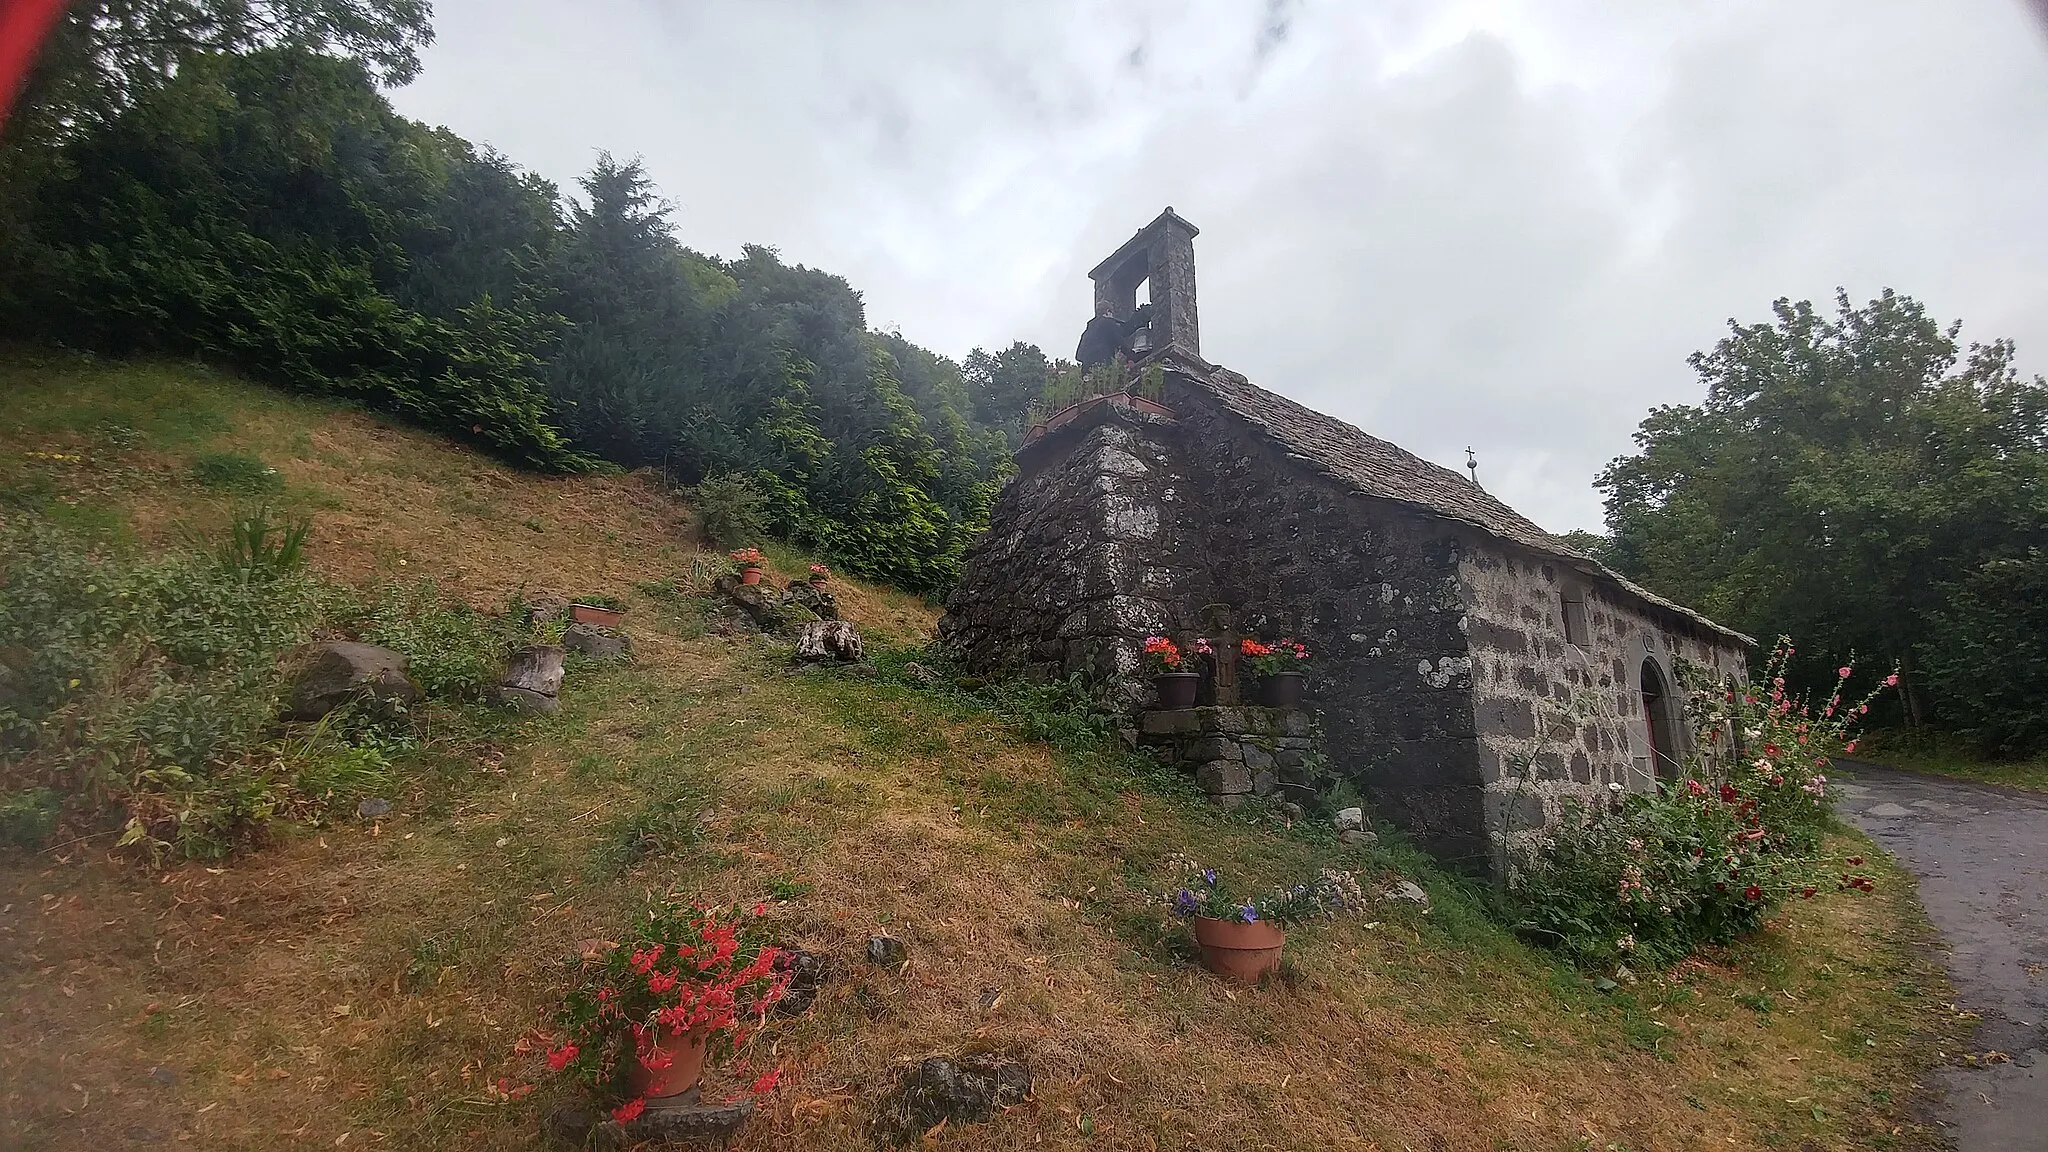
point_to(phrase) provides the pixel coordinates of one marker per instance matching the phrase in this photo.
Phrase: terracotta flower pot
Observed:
(685, 1067)
(1282, 689)
(1238, 951)
(1176, 689)
(592, 614)
(750, 575)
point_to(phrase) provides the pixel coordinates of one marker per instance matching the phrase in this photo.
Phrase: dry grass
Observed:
(366, 984)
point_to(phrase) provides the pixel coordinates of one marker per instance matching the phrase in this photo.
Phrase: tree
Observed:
(1003, 385)
(107, 55)
(1843, 480)
(1593, 544)
(263, 209)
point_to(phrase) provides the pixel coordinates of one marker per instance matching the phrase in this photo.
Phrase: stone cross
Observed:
(1222, 627)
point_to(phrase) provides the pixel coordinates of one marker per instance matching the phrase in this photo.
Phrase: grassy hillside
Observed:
(368, 983)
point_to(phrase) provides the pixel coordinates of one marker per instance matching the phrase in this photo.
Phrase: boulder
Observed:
(334, 672)
(523, 700)
(546, 606)
(887, 951)
(597, 643)
(536, 668)
(1407, 891)
(761, 602)
(817, 600)
(823, 640)
(688, 1122)
(1350, 819)
(952, 1091)
(806, 975)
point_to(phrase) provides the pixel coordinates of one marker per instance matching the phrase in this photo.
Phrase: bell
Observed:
(1141, 340)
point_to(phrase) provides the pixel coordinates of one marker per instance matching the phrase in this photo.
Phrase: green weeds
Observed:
(257, 548)
(235, 472)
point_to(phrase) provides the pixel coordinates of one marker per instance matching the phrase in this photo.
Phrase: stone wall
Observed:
(1442, 681)
(1373, 590)
(1234, 754)
(1084, 557)
(1559, 716)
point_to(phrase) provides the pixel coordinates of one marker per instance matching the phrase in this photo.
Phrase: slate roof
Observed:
(1376, 468)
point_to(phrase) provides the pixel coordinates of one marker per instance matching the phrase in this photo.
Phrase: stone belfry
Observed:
(1163, 254)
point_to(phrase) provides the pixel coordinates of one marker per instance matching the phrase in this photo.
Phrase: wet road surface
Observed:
(1981, 855)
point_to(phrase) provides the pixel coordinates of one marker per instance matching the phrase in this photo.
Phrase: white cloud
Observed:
(1502, 224)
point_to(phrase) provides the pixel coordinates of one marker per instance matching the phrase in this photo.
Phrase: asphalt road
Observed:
(1981, 855)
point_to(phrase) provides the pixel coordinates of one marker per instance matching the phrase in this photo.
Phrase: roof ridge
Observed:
(1383, 470)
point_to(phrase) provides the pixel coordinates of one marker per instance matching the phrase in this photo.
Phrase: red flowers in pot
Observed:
(1282, 669)
(1170, 677)
(690, 986)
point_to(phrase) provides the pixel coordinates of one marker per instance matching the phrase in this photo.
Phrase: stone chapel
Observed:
(1468, 669)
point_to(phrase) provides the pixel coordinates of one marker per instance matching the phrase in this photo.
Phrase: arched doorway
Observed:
(1658, 709)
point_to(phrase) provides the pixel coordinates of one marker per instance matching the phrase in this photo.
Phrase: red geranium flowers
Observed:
(688, 969)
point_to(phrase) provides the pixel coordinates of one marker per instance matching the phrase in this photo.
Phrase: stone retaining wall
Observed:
(1233, 753)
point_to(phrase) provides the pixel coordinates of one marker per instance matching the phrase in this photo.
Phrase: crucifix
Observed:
(1222, 625)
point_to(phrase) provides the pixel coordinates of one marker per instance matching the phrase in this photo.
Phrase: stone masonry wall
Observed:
(1373, 590)
(1234, 754)
(1442, 682)
(1557, 718)
(1084, 557)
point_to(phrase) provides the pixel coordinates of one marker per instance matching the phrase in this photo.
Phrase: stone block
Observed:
(1550, 766)
(1224, 777)
(1256, 758)
(1513, 809)
(1507, 717)
(1288, 758)
(1210, 748)
(1170, 723)
(1291, 743)
(1582, 768)
(1487, 634)
(1235, 721)
(1294, 724)
(597, 643)
(1493, 767)
(1264, 783)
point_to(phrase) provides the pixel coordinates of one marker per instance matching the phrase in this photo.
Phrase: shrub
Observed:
(452, 651)
(28, 816)
(1702, 861)
(143, 683)
(236, 472)
(731, 510)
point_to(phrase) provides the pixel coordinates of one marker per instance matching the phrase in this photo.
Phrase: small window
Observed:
(1572, 602)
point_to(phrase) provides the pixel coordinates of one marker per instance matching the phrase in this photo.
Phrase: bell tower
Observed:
(1161, 255)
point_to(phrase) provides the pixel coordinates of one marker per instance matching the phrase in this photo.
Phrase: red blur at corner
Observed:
(23, 26)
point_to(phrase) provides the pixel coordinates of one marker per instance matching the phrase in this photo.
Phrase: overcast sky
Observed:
(1495, 224)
